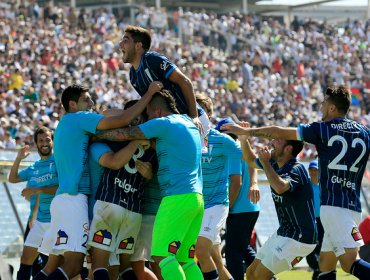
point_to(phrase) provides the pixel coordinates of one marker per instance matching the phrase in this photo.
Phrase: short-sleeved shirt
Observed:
(42, 173)
(157, 67)
(295, 207)
(221, 160)
(125, 186)
(343, 147)
(242, 204)
(71, 141)
(178, 150)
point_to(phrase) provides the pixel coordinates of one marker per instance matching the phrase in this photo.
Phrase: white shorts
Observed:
(36, 234)
(47, 243)
(340, 229)
(282, 253)
(143, 246)
(69, 223)
(214, 220)
(114, 228)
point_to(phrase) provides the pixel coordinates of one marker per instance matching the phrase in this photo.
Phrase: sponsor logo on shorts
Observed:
(174, 246)
(192, 252)
(62, 238)
(356, 234)
(296, 260)
(127, 244)
(103, 237)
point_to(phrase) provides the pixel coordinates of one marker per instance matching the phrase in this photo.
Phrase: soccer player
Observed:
(343, 148)
(151, 66)
(119, 196)
(42, 181)
(313, 258)
(71, 156)
(221, 161)
(296, 236)
(179, 217)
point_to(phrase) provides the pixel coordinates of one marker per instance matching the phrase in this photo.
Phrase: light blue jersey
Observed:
(42, 173)
(178, 150)
(316, 198)
(217, 164)
(71, 151)
(242, 204)
(96, 150)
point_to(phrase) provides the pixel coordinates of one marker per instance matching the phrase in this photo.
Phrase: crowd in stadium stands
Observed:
(256, 68)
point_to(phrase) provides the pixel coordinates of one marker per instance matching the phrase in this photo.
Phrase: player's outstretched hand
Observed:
(234, 129)
(23, 152)
(154, 87)
(145, 169)
(245, 125)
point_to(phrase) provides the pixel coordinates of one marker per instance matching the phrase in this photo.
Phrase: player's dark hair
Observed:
(140, 35)
(131, 103)
(72, 93)
(340, 97)
(297, 146)
(42, 130)
(164, 99)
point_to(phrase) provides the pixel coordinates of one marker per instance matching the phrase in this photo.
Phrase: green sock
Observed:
(171, 269)
(192, 271)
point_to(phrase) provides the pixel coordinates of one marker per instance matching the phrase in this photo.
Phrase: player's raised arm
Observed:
(123, 119)
(122, 134)
(117, 160)
(276, 182)
(288, 133)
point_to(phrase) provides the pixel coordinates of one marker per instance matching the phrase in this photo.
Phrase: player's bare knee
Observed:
(203, 253)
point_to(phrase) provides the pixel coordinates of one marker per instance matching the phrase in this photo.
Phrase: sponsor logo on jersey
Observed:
(123, 185)
(296, 260)
(127, 244)
(356, 234)
(192, 252)
(174, 246)
(103, 237)
(277, 198)
(62, 238)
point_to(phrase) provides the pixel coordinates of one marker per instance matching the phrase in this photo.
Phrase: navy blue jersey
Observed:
(295, 207)
(157, 67)
(125, 186)
(343, 148)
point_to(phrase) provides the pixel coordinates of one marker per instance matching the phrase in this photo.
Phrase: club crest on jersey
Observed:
(174, 246)
(127, 244)
(103, 237)
(296, 260)
(62, 238)
(164, 65)
(356, 234)
(192, 252)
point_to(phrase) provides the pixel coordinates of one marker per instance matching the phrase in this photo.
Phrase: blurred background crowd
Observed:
(255, 68)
